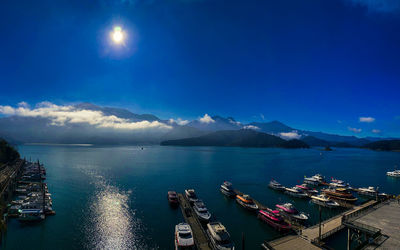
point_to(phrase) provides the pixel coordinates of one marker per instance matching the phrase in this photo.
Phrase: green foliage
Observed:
(7, 152)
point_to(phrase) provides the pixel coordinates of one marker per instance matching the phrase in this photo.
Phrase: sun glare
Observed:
(117, 35)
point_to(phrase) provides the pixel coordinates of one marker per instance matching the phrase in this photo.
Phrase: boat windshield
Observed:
(185, 235)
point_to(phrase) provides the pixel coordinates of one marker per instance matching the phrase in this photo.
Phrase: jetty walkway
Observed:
(310, 235)
(200, 236)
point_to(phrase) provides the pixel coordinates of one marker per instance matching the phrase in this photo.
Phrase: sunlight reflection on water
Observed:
(111, 221)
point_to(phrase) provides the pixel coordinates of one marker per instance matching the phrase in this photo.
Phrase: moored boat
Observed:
(172, 198)
(296, 192)
(395, 173)
(31, 215)
(289, 210)
(324, 201)
(201, 211)
(245, 201)
(276, 185)
(340, 194)
(274, 219)
(227, 189)
(191, 195)
(183, 237)
(306, 189)
(220, 238)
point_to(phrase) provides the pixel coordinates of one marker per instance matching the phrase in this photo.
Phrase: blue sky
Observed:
(317, 65)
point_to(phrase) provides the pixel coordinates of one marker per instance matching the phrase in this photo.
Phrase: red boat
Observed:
(172, 198)
(274, 219)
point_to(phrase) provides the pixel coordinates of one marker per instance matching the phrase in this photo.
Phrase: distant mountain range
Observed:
(121, 126)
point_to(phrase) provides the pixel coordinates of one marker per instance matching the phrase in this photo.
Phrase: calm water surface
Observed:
(115, 197)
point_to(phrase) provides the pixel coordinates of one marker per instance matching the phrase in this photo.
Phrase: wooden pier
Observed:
(200, 236)
(310, 235)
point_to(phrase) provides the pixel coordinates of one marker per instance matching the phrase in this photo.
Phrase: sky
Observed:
(319, 65)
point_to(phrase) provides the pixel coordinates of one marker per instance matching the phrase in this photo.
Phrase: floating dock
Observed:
(200, 236)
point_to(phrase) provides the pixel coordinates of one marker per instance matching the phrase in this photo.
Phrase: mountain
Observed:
(274, 127)
(215, 123)
(315, 142)
(386, 145)
(237, 138)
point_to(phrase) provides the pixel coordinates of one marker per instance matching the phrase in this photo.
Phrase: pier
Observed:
(200, 236)
(309, 237)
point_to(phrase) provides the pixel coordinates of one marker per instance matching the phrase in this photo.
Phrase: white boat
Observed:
(191, 195)
(219, 236)
(227, 189)
(183, 237)
(296, 192)
(276, 185)
(395, 173)
(31, 215)
(311, 181)
(324, 201)
(201, 211)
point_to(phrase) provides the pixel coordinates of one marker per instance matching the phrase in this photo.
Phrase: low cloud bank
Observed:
(290, 135)
(62, 115)
(206, 119)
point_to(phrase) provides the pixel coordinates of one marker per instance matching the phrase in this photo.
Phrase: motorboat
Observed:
(201, 211)
(172, 198)
(191, 195)
(306, 189)
(324, 201)
(276, 185)
(220, 238)
(13, 211)
(369, 191)
(183, 237)
(227, 189)
(245, 201)
(395, 173)
(342, 194)
(291, 211)
(311, 180)
(296, 192)
(274, 219)
(31, 215)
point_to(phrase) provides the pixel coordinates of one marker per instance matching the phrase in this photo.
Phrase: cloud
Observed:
(62, 115)
(290, 135)
(206, 119)
(262, 117)
(178, 121)
(367, 119)
(355, 130)
(376, 131)
(382, 6)
(251, 127)
(234, 122)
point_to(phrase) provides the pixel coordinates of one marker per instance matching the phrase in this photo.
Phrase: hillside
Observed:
(237, 138)
(386, 145)
(7, 152)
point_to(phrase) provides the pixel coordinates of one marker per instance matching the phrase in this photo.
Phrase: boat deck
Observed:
(200, 236)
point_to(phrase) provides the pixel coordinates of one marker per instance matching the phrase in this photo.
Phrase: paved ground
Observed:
(386, 218)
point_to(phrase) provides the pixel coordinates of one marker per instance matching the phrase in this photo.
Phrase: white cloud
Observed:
(62, 115)
(251, 127)
(178, 121)
(206, 119)
(290, 135)
(367, 119)
(384, 6)
(376, 131)
(355, 130)
(234, 122)
(262, 116)
(23, 104)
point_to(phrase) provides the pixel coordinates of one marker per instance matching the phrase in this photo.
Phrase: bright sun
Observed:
(117, 35)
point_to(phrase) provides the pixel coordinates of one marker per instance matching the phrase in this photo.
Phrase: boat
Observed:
(296, 192)
(395, 173)
(13, 210)
(311, 180)
(306, 189)
(31, 215)
(245, 201)
(183, 237)
(172, 198)
(371, 192)
(274, 219)
(324, 201)
(340, 194)
(276, 185)
(191, 195)
(220, 238)
(201, 211)
(291, 211)
(227, 189)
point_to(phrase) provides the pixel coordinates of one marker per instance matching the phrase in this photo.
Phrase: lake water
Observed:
(115, 197)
